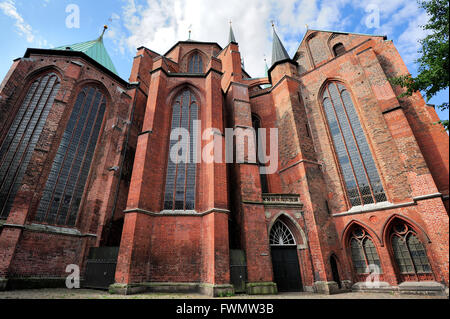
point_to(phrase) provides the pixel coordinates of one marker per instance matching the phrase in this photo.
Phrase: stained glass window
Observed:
(280, 235)
(66, 182)
(358, 167)
(22, 137)
(195, 64)
(181, 174)
(409, 252)
(363, 251)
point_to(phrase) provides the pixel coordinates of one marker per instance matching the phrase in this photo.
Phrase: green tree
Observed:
(433, 70)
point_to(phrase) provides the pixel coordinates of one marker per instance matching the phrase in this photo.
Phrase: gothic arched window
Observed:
(363, 251)
(281, 235)
(65, 185)
(358, 167)
(22, 137)
(181, 173)
(195, 64)
(409, 252)
(338, 49)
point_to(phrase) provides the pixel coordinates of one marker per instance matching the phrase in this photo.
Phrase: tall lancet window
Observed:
(195, 64)
(66, 182)
(358, 167)
(181, 172)
(22, 137)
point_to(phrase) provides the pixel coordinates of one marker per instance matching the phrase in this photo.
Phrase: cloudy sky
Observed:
(158, 24)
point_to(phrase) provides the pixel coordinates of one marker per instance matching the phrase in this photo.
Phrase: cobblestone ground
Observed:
(96, 294)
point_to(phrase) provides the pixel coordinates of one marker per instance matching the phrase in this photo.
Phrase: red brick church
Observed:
(359, 198)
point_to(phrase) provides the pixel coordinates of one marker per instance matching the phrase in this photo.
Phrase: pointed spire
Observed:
(231, 37)
(190, 32)
(105, 27)
(279, 53)
(266, 68)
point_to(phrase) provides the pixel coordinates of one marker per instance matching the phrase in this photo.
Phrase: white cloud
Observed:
(159, 24)
(401, 21)
(8, 7)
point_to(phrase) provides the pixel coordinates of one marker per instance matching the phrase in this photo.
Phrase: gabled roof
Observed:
(309, 31)
(94, 49)
(190, 42)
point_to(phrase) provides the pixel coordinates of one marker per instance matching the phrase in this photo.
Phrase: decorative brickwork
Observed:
(392, 143)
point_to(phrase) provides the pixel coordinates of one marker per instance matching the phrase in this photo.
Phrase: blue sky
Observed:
(158, 24)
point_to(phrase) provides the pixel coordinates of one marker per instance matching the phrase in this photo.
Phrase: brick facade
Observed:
(123, 201)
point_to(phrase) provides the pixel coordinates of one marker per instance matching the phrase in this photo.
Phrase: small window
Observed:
(281, 235)
(339, 49)
(195, 64)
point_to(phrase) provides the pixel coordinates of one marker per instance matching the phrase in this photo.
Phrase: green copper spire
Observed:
(266, 68)
(231, 37)
(279, 53)
(94, 49)
(266, 74)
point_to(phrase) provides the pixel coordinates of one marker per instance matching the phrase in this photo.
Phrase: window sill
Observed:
(372, 208)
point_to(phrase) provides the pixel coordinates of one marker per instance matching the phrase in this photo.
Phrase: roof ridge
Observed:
(95, 49)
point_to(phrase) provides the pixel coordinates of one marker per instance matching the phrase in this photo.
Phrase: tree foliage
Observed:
(433, 70)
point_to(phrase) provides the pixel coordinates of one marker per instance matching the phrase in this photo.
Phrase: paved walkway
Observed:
(97, 294)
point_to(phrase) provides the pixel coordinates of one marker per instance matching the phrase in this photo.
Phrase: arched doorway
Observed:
(286, 269)
(335, 271)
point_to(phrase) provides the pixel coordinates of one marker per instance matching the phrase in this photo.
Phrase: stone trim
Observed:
(429, 196)
(178, 212)
(386, 205)
(209, 289)
(281, 205)
(186, 75)
(408, 287)
(51, 229)
(373, 207)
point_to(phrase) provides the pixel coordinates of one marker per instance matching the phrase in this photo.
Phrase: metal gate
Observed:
(286, 269)
(238, 270)
(101, 267)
